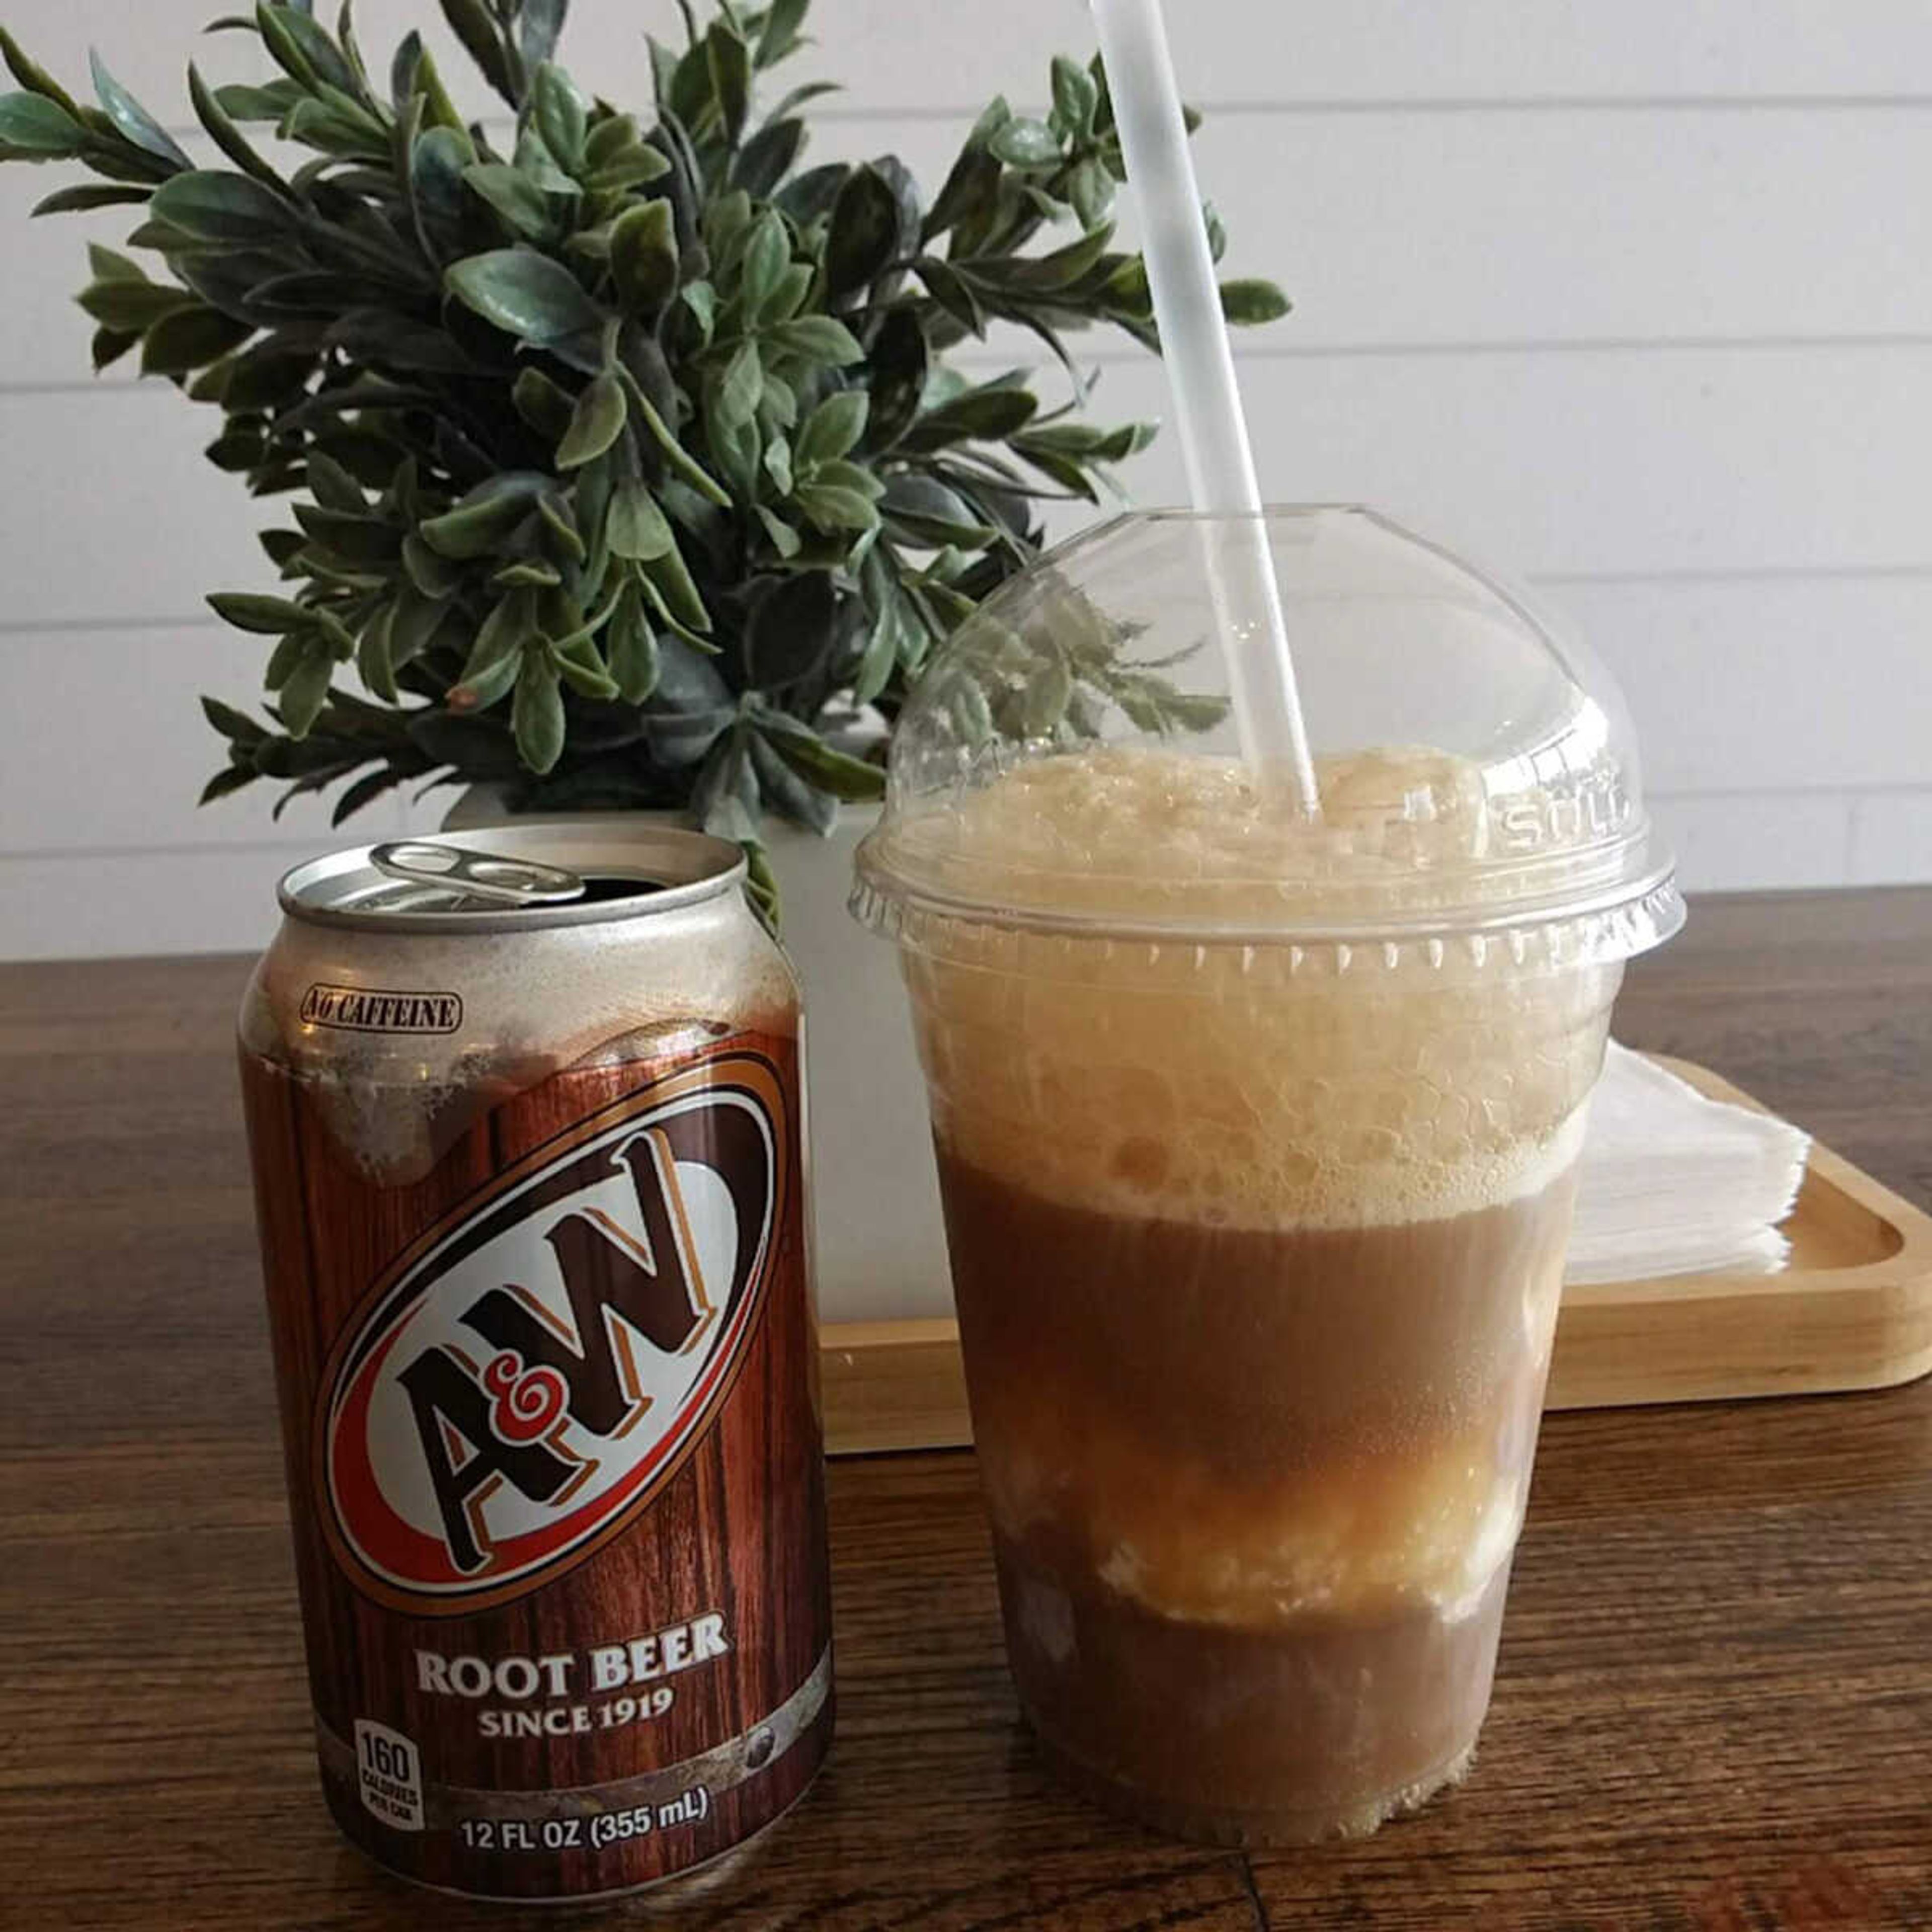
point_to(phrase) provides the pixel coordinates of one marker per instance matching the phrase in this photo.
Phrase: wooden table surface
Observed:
(1714, 1709)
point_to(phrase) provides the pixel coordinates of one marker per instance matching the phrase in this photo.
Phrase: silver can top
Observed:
(585, 871)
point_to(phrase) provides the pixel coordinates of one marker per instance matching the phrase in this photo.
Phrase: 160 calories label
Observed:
(389, 1770)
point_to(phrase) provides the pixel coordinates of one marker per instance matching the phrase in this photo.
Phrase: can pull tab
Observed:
(480, 875)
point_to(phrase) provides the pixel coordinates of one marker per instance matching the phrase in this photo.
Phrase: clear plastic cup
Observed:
(1257, 1137)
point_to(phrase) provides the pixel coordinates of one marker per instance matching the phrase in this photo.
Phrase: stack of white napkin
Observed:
(1674, 1184)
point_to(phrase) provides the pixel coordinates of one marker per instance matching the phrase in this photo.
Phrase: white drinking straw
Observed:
(1206, 398)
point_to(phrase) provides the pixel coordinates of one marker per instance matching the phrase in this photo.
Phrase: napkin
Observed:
(1671, 1183)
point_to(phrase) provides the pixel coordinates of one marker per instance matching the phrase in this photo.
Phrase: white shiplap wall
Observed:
(1634, 296)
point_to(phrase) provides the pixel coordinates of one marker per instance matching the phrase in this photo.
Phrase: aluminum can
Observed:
(526, 1123)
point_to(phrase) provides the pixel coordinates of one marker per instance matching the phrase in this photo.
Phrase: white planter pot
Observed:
(881, 1243)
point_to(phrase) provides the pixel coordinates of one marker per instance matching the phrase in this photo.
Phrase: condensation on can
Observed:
(530, 1181)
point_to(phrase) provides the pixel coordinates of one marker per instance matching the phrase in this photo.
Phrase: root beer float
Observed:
(525, 1119)
(1257, 1135)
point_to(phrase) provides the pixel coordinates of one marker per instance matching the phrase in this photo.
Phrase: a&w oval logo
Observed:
(522, 1383)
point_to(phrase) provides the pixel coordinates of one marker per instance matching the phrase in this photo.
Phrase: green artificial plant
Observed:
(626, 455)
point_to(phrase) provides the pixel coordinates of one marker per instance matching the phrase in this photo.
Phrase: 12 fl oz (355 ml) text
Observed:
(592, 1833)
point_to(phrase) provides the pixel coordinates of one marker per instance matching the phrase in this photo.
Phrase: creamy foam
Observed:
(1243, 1086)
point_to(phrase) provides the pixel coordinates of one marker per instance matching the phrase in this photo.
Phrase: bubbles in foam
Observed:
(1244, 1086)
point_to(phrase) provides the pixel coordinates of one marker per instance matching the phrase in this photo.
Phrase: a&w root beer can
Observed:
(526, 1118)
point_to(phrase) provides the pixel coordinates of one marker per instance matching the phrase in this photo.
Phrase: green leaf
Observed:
(1246, 304)
(1026, 144)
(82, 200)
(777, 463)
(332, 487)
(438, 109)
(523, 206)
(230, 778)
(1075, 96)
(487, 515)
(39, 127)
(681, 460)
(701, 299)
(544, 404)
(785, 301)
(768, 157)
(525, 294)
(109, 345)
(610, 137)
(636, 528)
(818, 339)
(850, 476)
(539, 25)
(562, 115)
(791, 632)
(265, 617)
(780, 33)
(808, 198)
(226, 135)
(356, 539)
(767, 254)
(493, 658)
(740, 387)
(597, 423)
(33, 78)
(433, 574)
(417, 620)
(190, 338)
(669, 582)
(1217, 231)
(952, 293)
(796, 797)
(225, 207)
(1091, 191)
(988, 414)
(477, 30)
(970, 192)
(268, 103)
(282, 659)
(109, 266)
(132, 118)
(1046, 274)
(632, 648)
(884, 648)
(237, 727)
(644, 257)
(729, 61)
(1044, 701)
(930, 514)
(370, 786)
(785, 539)
(238, 451)
(372, 663)
(560, 518)
(132, 307)
(831, 508)
(304, 691)
(583, 669)
(302, 49)
(864, 234)
(536, 715)
(636, 167)
(843, 776)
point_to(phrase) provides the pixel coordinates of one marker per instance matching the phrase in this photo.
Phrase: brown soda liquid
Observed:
(1254, 1492)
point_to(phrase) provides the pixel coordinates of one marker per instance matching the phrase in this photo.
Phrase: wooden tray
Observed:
(1853, 1310)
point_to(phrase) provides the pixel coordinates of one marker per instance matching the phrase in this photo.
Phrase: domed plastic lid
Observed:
(1069, 761)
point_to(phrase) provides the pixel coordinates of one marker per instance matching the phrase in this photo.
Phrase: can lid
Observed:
(510, 878)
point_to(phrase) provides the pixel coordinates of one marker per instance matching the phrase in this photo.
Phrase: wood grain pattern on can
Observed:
(551, 1419)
